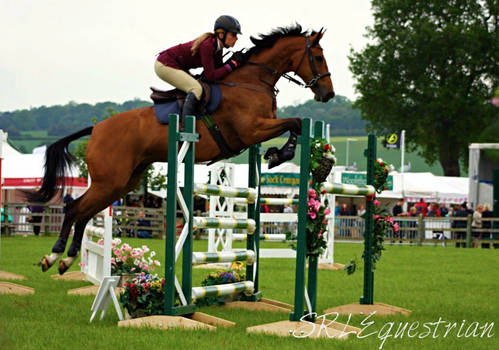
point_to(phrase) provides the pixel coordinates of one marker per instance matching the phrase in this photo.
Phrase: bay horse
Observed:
(121, 147)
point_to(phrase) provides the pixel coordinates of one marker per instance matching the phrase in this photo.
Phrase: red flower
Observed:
(370, 197)
(327, 147)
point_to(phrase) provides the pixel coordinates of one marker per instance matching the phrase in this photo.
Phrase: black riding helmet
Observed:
(228, 23)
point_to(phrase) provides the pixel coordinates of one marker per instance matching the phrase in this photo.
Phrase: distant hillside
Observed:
(344, 120)
(60, 120)
(29, 128)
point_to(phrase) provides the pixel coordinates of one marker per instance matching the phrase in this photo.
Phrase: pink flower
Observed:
(100, 241)
(157, 263)
(376, 202)
(312, 214)
(495, 101)
(126, 247)
(81, 264)
(311, 193)
(317, 205)
(396, 227)
(320, 234)
(389, 219)
(123, 258)
(327, 211)
(377, 217)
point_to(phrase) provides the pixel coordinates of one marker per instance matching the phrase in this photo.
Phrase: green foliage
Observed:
(431, 69)
(344, 119)
(61, 120)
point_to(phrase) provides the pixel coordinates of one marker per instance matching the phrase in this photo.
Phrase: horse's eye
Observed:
(319, 59)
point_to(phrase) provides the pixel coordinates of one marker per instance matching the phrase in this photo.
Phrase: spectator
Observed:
(344, 211)
(362, 210)
(413, 211)
(287, 209)
(264, 208)
(141, 222)
(421, 207)
(487, 214)
(476, 224)
(37, 218)
(461, 212)
(443, 210)
(433, 210)
(398, 209)
(337, 208)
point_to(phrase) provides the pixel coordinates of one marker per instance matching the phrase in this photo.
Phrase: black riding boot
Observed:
(190, 105)
(287, 152)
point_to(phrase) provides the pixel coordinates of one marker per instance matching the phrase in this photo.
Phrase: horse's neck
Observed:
(278, 58)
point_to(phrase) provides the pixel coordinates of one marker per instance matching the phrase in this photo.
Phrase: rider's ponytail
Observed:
(198, 41)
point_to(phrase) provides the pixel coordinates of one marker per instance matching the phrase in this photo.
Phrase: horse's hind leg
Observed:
(75, 246)
(60, 245)
(87, 211)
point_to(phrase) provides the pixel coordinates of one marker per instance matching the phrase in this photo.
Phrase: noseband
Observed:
(311, 62)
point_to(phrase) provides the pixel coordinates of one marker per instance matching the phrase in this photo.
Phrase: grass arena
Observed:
(436, 283)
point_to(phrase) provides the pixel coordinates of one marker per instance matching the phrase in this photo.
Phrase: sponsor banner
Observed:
(360, 179)
(280, 179)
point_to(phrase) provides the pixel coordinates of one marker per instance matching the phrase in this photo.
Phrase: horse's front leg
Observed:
(267, 129)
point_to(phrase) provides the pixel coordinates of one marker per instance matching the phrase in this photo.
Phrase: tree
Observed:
(431, 69)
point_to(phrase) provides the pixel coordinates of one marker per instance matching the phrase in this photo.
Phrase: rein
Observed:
(311, 62)
(274, 91)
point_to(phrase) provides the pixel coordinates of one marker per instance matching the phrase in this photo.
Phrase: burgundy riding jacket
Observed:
(180, 57)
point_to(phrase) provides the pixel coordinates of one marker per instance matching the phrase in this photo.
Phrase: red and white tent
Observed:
(25, 171)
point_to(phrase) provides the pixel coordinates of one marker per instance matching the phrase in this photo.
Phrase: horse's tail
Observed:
(57, 160)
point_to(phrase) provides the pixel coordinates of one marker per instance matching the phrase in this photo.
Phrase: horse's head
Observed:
(311, 66)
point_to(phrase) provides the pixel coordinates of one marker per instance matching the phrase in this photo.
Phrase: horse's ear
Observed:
(318, 37)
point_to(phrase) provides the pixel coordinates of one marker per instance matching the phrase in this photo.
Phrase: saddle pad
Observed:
(162, 110)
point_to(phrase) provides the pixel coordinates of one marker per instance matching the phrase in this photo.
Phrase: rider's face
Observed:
(230, 39)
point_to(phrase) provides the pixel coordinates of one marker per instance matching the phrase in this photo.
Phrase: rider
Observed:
(173, 64)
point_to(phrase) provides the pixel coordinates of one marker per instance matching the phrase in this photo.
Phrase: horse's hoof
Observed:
(271, 152)
(45, 264)
(275, 161)
(286, 154)
(62, 267)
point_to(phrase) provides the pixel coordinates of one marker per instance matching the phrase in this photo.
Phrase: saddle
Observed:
(176, 95)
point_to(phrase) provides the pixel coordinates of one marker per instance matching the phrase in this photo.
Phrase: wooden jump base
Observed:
(4, 275)
(16, 289)
(365, 309)
(70, 276)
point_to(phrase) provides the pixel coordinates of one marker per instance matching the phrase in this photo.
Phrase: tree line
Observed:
(62, 120)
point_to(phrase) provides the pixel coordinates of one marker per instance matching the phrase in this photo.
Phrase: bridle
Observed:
(311, 62)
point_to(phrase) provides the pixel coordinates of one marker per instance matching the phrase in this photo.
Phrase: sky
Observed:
(56, 51)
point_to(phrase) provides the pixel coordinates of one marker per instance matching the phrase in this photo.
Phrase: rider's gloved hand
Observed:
(233, 64)
(239, 57)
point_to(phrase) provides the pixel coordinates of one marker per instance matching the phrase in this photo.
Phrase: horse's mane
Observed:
(268, 40)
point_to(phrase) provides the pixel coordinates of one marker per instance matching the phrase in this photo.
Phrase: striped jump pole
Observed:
(222, 289)
(242, 224)
(277, 237)
(222, 191)
(338, 188)
(199, 258)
